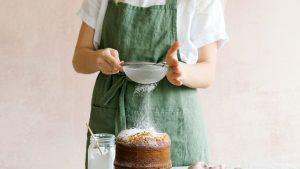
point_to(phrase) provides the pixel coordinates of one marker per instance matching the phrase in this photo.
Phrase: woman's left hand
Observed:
(174, 74)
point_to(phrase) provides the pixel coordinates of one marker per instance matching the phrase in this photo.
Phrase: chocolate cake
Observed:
(142, 149)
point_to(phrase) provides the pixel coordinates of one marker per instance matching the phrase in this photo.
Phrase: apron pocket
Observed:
(102, 120)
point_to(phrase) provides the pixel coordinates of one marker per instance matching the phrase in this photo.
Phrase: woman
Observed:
(145, 30)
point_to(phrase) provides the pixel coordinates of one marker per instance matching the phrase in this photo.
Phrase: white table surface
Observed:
(257, 167)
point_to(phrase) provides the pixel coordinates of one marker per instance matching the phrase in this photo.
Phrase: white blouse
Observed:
(199, 22)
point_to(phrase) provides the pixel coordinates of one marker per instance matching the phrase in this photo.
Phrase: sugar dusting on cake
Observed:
(138, 137)
(129, 133)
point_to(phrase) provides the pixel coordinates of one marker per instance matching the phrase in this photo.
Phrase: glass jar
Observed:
(105, 158)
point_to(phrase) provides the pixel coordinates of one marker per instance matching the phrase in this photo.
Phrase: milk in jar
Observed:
(105, 158)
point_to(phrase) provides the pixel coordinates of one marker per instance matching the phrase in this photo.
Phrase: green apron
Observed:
(146, 34)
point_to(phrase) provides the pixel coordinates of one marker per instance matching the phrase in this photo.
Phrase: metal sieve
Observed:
(145, 72)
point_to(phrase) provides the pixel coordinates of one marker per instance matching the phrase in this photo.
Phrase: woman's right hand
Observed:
(108, 61)
(88, 60)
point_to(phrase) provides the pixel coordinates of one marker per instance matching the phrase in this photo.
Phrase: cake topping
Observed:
(143, 136)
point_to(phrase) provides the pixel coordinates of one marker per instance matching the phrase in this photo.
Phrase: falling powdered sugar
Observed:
(144, 118)
(142, 89)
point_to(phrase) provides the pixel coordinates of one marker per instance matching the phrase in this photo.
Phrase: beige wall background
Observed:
(252, 110)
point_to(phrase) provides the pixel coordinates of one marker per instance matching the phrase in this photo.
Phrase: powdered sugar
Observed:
(144, 115)
(142, 89)
(126, 134)
(143, 137)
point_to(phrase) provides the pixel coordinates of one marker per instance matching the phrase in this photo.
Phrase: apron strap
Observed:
(120, 120)
(120, 116)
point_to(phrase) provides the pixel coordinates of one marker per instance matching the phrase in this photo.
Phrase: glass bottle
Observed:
(105, 158)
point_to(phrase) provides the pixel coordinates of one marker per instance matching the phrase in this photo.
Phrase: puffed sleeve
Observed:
(208, 24)
(89, 12)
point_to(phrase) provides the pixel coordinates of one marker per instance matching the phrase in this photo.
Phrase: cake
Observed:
(142, 149)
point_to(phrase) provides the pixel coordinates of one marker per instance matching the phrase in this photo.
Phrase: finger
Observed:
(176, 70)
(113, 62)
(174, 48)
(171, 57)
(112, 57)
(115, 54)
(178, 81)
(175, 74)
(105, 66)
(122, 69)
(101, 61)
(109, 72)
(172, 61)
(175, 80)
